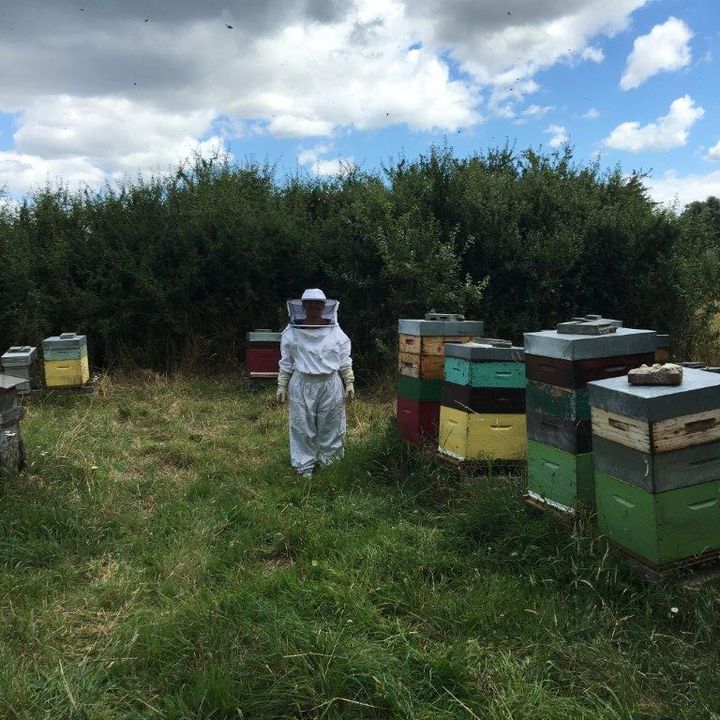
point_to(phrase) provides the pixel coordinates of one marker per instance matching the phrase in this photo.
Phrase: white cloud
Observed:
(537, 110)
(665, 48)
(714, 152)
(559, 135)
(594, 54)
(673, 189)
(22, 173)
(312, 158)
(83, 141)
(592, 114)
(135, 98)
(309, 156)
(669, 131)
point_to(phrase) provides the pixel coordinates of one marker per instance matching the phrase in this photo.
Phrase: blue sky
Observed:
(109, 88)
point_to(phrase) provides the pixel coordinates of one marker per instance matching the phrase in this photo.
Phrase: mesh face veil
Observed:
(298, 318)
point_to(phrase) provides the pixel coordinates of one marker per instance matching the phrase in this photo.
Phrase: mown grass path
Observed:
(160, 560)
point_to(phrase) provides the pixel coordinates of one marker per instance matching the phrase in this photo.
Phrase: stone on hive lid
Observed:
(587, 327)
(616, 323)
(444, 317)
(657, 374)
(711, 369)
(496, 342)
(457, 328)
(694, 365)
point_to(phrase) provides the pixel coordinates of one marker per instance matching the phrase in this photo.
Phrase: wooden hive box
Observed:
(11, 413)
(66, 360)
(262, 354)
(657, 466)
(558, 367)
(482, 436)
(482, 416)
(560, 479)
(421, 357)
(22, 361)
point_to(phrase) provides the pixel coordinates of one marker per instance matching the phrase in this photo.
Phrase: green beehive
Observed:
(562, 479)
(560, 402)
(659, 528)
(657, 466)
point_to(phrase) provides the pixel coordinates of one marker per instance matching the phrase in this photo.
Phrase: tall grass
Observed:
(160, 560)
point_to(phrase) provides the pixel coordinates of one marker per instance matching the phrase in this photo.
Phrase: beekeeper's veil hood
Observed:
(297, 314)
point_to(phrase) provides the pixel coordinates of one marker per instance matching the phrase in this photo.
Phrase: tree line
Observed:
(173, 270)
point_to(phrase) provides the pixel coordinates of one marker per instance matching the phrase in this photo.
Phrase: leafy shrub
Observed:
(174, 270)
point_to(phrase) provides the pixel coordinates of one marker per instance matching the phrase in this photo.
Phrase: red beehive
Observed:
(262, 354)
(418, 421)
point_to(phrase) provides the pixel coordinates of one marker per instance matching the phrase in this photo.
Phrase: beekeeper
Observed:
(316, 374)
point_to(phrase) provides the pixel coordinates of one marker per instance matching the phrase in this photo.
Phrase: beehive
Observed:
(558, 367)
(482, 412)
(11, 413)
(21, 361)
(65, 360)
(262, 354)
(421, 357)
(657, 466)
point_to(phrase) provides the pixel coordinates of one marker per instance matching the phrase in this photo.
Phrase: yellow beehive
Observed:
(482, 436)
(67, 373)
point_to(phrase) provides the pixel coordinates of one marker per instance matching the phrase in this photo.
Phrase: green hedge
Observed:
(174, 270)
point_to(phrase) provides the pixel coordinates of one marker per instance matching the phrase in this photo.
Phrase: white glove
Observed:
(283, 380)
(348, 379)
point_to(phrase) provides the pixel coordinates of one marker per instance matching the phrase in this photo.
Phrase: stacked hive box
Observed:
(420, 364)
(482, 413)
(657, 466)
(65, 360)
(21, 362)
(11, 413)
(558, 367)
(262, 354)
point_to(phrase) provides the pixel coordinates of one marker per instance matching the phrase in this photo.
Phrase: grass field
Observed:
(160, 560)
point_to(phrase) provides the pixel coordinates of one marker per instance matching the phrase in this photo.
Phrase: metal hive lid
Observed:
(19, 356)
(699, 391)
(461, 328)
(64, 341)
(10, 382)
(263, 336)
(485, 351)
(624, 341)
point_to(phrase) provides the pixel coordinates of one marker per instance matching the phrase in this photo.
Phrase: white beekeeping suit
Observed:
(315, 364)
